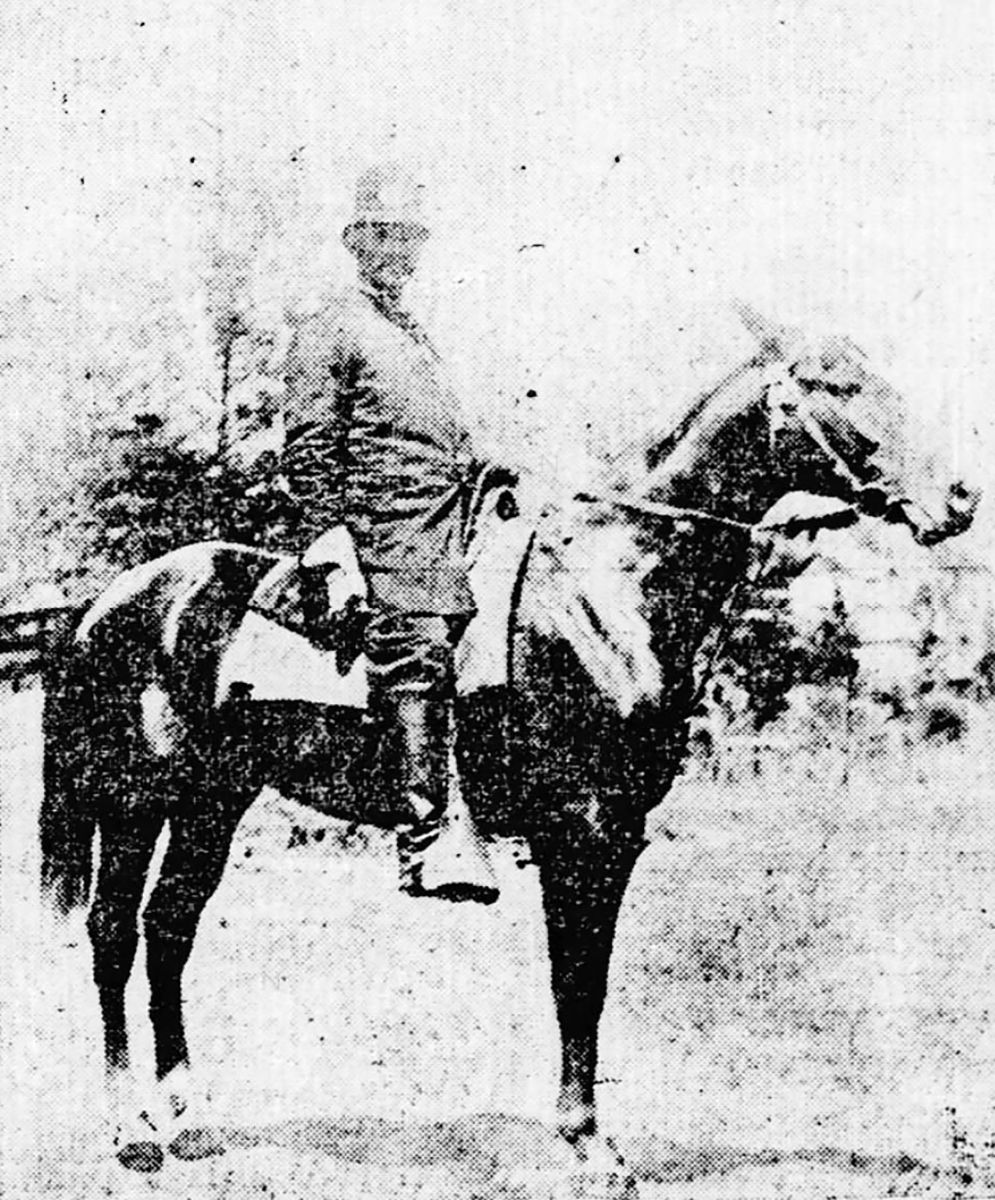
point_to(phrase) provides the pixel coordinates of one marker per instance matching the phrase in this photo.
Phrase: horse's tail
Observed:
(68, 818)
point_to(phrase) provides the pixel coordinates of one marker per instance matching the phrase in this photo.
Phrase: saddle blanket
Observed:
(276, 663)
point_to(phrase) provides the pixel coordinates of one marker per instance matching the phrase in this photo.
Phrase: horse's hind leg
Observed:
(125, 852)
(127, 840)
(199, 841)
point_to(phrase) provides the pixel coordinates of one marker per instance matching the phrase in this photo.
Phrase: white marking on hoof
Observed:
(597, 1154)
(175, 1091)
(187, 1102)
(575, 1121)
(588, 1166)
(161, 725)
(183, 1097)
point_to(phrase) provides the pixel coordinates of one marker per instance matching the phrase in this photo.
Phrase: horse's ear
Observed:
(776, 340)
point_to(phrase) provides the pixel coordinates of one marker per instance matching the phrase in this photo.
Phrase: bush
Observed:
(766, 657)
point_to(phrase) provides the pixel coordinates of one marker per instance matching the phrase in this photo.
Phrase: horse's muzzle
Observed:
(954, 515)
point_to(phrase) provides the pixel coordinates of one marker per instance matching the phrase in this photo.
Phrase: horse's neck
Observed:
(719, 461)
(636, 593)
(719, 464)
(665, 580)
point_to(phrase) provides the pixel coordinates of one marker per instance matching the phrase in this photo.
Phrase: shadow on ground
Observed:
(484, 1148)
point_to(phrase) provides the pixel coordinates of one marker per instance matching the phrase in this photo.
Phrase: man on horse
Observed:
(375, 441)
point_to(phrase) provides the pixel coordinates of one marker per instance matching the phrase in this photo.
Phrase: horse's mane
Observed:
(651, 447)
(657, 453)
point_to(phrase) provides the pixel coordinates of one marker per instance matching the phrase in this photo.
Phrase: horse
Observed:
(622, 588)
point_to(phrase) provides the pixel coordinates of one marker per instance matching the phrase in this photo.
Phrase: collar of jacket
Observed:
(386, 306)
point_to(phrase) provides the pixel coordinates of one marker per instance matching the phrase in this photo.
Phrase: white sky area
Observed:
(829, 160)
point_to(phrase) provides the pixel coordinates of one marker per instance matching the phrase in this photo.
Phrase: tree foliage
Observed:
(165, 495)
(150, 385)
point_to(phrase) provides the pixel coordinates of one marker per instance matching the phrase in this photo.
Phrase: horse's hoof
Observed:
(570, 1184)
(584, 1167)
(577, 1124)
(599, 1171)
(599, 1153)
(141, 1156)
(593, 1185)
(191, 1144)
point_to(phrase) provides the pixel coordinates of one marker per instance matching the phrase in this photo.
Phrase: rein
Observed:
(667, 511)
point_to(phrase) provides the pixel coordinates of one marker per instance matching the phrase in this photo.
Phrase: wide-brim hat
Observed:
(389, 194)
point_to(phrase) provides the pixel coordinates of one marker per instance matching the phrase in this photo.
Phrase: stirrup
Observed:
(446, 859)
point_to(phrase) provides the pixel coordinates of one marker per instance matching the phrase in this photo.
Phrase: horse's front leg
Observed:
(584, 875)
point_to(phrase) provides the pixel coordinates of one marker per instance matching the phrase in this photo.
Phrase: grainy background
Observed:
(800, 992)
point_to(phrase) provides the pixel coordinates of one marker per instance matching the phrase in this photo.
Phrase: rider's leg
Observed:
(411, 676)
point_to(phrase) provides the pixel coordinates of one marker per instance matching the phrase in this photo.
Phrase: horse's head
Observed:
(838, 429)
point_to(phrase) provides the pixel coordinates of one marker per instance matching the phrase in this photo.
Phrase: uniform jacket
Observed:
(375, 441)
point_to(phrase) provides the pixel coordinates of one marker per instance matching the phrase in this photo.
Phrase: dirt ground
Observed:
(799, 1005)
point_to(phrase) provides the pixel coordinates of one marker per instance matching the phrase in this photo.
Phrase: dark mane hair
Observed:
(655, 454)
(647, 450)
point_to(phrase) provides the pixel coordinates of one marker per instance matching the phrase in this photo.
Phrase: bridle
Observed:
(868, 495)
(785, 399)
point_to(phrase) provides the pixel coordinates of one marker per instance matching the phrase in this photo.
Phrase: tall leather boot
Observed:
(441, 853)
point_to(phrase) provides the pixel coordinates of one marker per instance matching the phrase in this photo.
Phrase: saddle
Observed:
(320, 596)
(302, 636)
